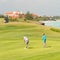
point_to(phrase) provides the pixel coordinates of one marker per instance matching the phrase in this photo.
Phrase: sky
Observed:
(40, 7)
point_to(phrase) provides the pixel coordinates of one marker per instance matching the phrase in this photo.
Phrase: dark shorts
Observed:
(44, 41)
(27, 42)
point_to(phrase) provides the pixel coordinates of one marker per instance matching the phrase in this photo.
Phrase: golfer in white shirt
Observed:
(26, 40)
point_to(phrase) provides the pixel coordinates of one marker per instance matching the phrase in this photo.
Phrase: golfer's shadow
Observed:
(31, 47)
(36, 47)
(49, 46)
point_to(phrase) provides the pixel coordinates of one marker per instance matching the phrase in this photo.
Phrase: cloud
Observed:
(2, 1)
(48, 7)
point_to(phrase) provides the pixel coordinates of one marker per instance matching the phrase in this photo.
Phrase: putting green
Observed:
(12, 44)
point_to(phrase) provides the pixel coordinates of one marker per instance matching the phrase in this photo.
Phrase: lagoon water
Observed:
(55, 24)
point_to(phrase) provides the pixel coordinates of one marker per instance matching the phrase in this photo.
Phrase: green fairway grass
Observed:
(12, 44)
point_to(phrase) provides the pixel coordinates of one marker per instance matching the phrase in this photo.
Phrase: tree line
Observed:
(30, 16)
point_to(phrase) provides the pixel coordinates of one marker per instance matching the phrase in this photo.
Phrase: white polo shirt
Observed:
(25, 38)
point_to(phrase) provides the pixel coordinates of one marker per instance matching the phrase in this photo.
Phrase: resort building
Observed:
(14, 14)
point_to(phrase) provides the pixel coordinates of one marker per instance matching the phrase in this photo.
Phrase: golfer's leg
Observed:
(44, 45)
(27, 44)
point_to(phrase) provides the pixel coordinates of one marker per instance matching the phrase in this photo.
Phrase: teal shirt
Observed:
(44, 38)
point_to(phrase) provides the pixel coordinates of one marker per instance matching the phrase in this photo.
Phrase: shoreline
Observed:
(58, 20)
(55, 24)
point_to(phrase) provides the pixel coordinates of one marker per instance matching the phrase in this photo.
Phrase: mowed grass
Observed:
(12, 44)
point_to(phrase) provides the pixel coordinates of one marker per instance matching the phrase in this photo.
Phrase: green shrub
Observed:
(13, 19)
(54, 29)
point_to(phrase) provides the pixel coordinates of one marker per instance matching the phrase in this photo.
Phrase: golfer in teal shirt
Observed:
(44, 40)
